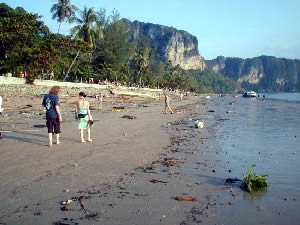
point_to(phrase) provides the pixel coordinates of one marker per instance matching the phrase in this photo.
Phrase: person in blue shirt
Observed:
(53, 115)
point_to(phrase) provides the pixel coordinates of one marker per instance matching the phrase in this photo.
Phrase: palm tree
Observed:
(88, 29)
(63, 10)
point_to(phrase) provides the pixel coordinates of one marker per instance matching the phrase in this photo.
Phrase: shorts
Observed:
(53, 125)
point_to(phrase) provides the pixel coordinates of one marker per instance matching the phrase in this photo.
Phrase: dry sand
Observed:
(105, 178)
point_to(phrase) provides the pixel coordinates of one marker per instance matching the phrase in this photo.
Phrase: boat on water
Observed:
(250, 94)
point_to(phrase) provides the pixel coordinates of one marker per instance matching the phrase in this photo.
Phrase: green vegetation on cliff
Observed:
(213, 82)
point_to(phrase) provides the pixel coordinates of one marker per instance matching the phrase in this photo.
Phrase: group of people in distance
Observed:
(82, 114)
(54, 118)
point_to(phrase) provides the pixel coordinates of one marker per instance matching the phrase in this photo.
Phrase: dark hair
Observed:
(82, 94)
(54, 90)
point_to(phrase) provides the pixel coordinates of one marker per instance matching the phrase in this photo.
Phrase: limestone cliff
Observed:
(263, 72)
(176, 46)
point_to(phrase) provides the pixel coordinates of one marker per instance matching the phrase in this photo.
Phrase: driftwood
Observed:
(182, 198)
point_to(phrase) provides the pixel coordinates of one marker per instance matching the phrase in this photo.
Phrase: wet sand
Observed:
(105, 178)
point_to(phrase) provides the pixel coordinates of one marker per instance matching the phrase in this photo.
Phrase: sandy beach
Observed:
(137, 167)
(106, 178)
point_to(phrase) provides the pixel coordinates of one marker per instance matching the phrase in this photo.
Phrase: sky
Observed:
(231, 28)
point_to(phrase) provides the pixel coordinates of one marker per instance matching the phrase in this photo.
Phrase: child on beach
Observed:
(167, 104)
(53, 115)
(83, 114)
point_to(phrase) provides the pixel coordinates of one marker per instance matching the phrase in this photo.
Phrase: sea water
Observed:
(264, 132)
(291, 97)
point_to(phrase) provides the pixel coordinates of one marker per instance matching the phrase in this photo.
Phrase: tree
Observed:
(141, 61)
(86, 30)
(22, 37)
(63, 10)
(27, 45)
(112, 52)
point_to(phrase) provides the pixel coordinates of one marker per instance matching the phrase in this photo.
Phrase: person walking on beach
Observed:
(100, 100)
(1, 103)
(53, 115)
(83, 114)
(167, 104)
(181, 96)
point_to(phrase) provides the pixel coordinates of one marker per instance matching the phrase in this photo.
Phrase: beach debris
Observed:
(158, 181)
(118, 107)
(183, 198)
(170, 162)
(230, 111)
(65, 223)
(67, 190)
(211, 111)
(37, 214)
(198, 124)
(67, 202)
(208, 97)
(79, 199)
(65, 208)
(254, 182)
(234, 195)
(148, 169)
(1, 135)
(222, 119)
(232, 180)
(140, 195)
(129, 117)
(186, 111)
(118, 110)
(39, 125)
(28, 105)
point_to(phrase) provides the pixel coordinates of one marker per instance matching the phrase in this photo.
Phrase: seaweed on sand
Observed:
(254, 182)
